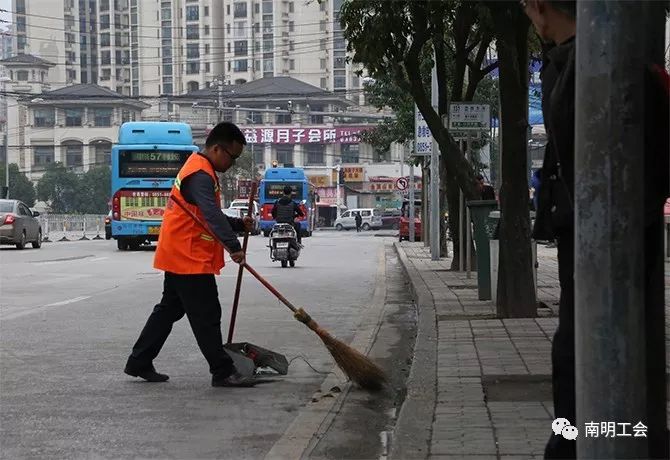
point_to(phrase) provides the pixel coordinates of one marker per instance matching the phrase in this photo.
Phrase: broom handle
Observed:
(255, 274)
(240, 270)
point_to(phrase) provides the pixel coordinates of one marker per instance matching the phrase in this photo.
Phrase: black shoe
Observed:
(234, 380)
(150, 374)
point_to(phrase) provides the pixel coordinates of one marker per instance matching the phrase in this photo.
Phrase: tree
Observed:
(516, 297)
(94, 189)
(20, 187)
(395, 40)
(59, 187)
(228, 180)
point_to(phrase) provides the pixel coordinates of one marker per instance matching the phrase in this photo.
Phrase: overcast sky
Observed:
(5, 5)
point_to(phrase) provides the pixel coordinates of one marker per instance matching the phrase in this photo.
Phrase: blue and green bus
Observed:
(272, 188)
(145, 163)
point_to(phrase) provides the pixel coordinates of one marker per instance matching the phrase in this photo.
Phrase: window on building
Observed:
(127, 116)
(255, 118)
(74, 152)
(192, 31)
(322, 44)
(324, 83)
(316, 119)
(339, 79)
(267, 45)
(192, 68)
(167, 69)
(240, 9)
(268, 67)
(258, 152)
(192, 13)
(103, 152)
(206, 11)
(340, 59)
(283, 118)
(104, 21)
(267, 7)
(206, 31)
(22, 75)
(257, 8)
(102, 117)
(105, 57)
(104, 39)
(350, 153)
(104, 5)
(257, 65)
(106, 74)
(73, 117)
(227, 10)
(322, 26)
(241, 48)
(239, 29)
(192, 50)
(322, 63)
(284, 154)
(44, 117)
(207, 67)
(240, 65)
(43, 155)
(291, 64)
(314, 154)
(207, 48)
(192, 86)
(166, 12)
(291, 26)
(322, 5)
(84, 77)
(291, 46)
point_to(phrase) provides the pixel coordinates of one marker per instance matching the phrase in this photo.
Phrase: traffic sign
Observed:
(402, 183)
(423, 138)
(464, 117)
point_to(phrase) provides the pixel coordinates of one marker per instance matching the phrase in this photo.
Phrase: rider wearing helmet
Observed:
(286, 210)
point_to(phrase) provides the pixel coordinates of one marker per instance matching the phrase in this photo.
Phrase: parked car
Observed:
(256, 214)
(391, 218)
(18, 225)
(108, 226)
(403, 234)
(372, 219)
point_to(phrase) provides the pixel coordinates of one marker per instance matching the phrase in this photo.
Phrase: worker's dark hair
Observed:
(568, 7)
(288, 190)
(225, 132)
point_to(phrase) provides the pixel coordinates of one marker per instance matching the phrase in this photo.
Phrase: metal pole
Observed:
(609, 222)
(337, 168)
(219, 104)
(461, 240)
(434, 182)
(468, 222)
(425, 197)
(412, 236)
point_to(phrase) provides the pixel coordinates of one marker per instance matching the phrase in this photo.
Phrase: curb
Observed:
(413, 431)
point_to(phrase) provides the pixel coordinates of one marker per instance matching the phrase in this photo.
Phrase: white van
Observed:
(372, 219)
(256, 213)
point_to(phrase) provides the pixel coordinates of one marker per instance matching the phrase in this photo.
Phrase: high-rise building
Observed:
(266, 38)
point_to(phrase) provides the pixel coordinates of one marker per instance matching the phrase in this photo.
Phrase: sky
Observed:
(5, 5)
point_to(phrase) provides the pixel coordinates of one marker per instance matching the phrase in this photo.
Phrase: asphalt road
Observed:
(70, 312)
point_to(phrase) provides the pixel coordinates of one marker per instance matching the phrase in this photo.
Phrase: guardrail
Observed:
(72, 227)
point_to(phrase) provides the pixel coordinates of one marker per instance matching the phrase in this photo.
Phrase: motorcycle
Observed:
(284, 245)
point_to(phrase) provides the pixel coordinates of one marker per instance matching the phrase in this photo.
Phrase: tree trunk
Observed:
(516, 295)
(444, 208)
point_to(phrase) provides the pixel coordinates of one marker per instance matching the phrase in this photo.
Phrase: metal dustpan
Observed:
(251, 359)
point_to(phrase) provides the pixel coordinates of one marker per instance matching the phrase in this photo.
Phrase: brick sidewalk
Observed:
(493, 376)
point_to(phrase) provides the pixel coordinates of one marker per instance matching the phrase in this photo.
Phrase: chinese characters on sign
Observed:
(243, 188)
(327, 195)
(306, 135)
(469, 117)
(320, 181)
(423, 139)
(353, 174)
(614, 430)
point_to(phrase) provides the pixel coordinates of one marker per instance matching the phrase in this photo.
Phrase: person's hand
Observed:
(249, 223)
(238, 257)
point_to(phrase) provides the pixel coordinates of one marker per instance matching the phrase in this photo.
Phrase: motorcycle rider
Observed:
(286, 210)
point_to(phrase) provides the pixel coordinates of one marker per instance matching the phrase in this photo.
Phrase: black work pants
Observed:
(197, 297)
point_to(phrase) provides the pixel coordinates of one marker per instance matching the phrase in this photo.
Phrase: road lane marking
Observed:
(98, 259)
(36, 309)
(65, 302)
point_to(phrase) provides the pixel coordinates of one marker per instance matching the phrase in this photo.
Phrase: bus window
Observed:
(151, 163)
(275, 190)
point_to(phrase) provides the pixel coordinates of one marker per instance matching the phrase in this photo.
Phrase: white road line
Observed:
(30, 311)
(65, 302)
(98, 259)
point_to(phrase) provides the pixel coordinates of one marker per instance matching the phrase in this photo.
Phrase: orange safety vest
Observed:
(184, 247)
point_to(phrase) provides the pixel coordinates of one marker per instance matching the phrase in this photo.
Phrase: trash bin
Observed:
(484, 229)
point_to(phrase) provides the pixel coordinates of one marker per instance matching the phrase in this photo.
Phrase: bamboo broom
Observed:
(358, 367)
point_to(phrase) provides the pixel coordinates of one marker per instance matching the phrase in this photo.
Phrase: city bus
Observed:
(145, 163)
(272, 188)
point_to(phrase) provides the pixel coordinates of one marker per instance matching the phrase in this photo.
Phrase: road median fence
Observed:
(72, 227)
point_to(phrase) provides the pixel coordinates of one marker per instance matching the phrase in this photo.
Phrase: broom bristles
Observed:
(355, 365)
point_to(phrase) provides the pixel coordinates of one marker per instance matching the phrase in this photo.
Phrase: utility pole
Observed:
(619, 319)
(219, 103)
(338, 168)
(434, 181)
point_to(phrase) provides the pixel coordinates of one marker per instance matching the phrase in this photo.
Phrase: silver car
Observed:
(18, 225)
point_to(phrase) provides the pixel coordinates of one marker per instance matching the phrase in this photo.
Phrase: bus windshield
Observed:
(151, 163)
(275, 190)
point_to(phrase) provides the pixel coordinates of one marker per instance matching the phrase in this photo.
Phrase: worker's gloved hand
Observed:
(237, 257)
(249, 223)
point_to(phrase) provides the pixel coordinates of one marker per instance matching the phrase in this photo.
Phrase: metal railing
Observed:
(72, 227)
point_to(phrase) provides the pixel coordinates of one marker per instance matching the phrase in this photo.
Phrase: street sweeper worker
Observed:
(190, 257)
